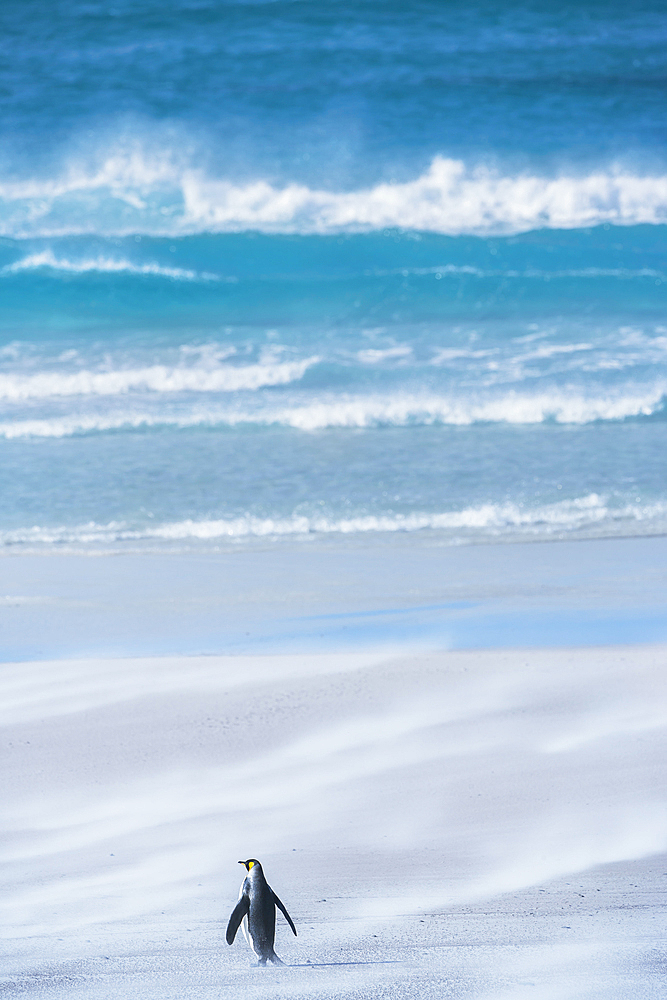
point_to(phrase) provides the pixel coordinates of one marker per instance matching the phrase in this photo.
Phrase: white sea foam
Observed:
(132, 191)
(442, 270)
(487, 517)
(153, 378)
(513, 408)
(581, 514)
(549, 350)
(315, 414)
(446, 354)
(47, 259)
(372, 356)
(448, 198)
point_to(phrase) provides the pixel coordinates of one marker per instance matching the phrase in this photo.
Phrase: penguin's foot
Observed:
(276, 960)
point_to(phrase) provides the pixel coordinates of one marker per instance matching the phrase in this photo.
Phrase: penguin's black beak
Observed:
(241, 862)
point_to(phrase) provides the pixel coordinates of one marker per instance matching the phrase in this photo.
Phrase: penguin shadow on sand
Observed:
(255, 913)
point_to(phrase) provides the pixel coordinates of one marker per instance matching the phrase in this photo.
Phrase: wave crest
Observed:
(103, 265)
(590, 512)
(449, 198)
(512, 408)
(131, 191)
(314, 415)
(153, 378)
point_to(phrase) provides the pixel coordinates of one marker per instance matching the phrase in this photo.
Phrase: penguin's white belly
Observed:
(244, 925)
(246, 933)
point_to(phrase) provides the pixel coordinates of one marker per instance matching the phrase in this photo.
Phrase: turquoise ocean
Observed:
(293, 270)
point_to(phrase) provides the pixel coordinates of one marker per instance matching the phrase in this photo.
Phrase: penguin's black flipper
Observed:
(238, 913)
(281, 907)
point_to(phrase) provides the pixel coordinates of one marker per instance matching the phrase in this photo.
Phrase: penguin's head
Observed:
(250, 864)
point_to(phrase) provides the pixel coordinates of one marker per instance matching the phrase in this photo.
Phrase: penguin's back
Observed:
(259, 925)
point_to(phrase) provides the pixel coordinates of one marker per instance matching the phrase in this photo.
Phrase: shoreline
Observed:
(418, 538)
(422, 537)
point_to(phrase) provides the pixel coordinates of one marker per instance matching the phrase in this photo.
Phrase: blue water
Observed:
(284, 270)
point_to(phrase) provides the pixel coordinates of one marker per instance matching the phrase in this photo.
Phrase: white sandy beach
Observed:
(474, 823)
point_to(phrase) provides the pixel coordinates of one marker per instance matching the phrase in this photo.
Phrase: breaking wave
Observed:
(492, 520)
(153, 378)
(513, 408)
(314, 415)
(130, 191)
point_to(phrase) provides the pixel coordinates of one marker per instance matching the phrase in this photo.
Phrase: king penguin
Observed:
(257, 909)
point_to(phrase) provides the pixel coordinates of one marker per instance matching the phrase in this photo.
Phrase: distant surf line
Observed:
(103, 265)
(46, 260)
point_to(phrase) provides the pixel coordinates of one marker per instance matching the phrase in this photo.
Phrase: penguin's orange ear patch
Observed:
(250, 864)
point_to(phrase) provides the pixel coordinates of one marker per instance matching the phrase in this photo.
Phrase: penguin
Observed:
(257, 909)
